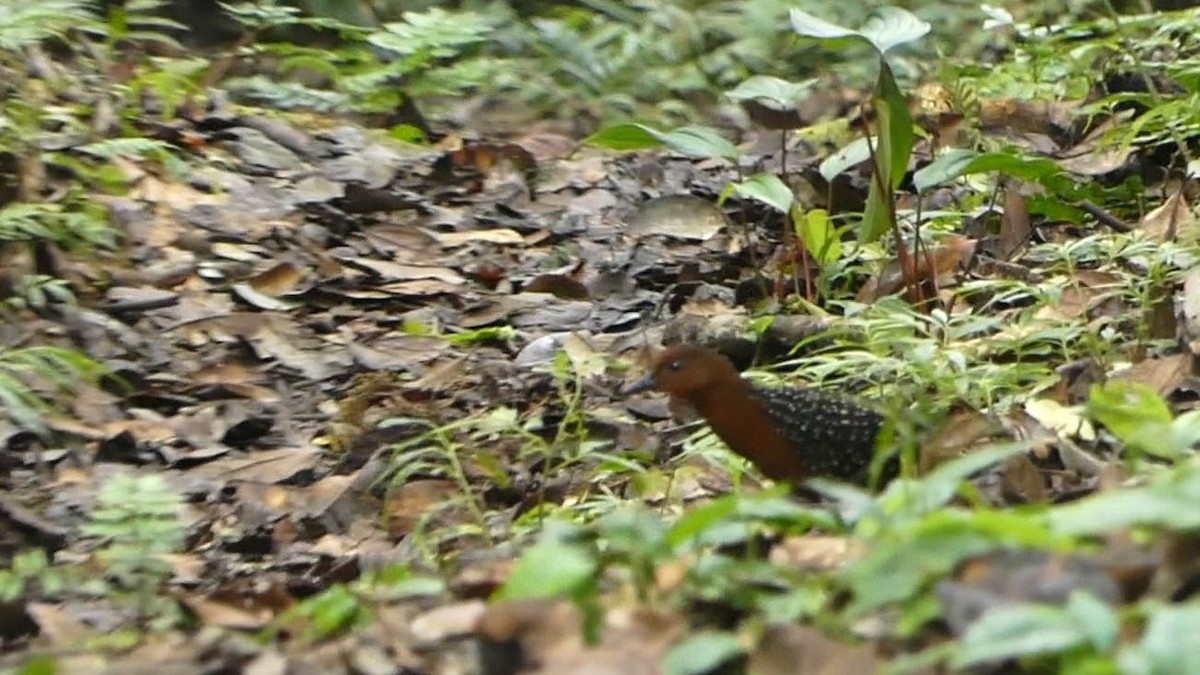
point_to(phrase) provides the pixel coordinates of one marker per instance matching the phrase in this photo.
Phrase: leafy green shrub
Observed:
(139, 517)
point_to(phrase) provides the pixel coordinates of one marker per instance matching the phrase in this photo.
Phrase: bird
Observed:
(789, 433)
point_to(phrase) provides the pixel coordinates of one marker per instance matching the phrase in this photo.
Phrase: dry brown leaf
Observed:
(1015, 228)
(939, 263)
(1164, 375)
(392, 271)
(1168, 221)
(501, 235)
(816, 552)
(633, 640)
(235, 615)
(1020, 478)
(789, 649)
(280, 279)
(955, 437)
(57, 626)
(265, 466)
(1095, 155)
(405, 506)
(558, 285)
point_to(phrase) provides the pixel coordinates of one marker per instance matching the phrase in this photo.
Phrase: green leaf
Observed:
(331, 611)
(819, 235)
(698, 142)
(38, 665)
(906, 554)
(888, 27)
(935, 489)
(550, 569)
(1135, 414)
(772, 89)
(1169, 501)
(891, 157)
(959, 162)
(1168, 645)
(624, 137)
(698, 520)
(1016, 631)
(853, 154)
(701, 653)
(950, 165)
(768, 189)
(1095, 618)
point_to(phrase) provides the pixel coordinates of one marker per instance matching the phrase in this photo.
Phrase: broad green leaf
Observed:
(699, 142)
(779, 91)
(888, 27)
(1095, 618)
(934, 490)
(701, 653)
(1168, 645)
(819, 235)
(891, 157)
(549, 569)
(1016, 631)
(950, 165)
(906, 554)
(331, 611)
(768, 189)
(959, 162)
(624, 137)
(697, 520)
(1169, 501)
(853, 154)
(1135, 414)
(1124, 406)
(815, 27)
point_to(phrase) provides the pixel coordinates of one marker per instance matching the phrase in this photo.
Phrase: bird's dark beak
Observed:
(639, 385)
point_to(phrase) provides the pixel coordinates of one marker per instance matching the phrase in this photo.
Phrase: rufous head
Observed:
(685, 371)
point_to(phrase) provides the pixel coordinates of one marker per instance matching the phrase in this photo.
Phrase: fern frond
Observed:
(28, 23)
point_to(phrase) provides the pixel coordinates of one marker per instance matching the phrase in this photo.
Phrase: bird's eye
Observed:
(675, 366)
